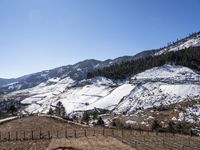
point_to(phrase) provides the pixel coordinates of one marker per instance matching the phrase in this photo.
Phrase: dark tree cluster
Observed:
(59, 110)
(189, 57)
(180, 41)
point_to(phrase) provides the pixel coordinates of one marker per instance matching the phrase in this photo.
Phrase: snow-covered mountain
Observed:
(77, 72)
(190, 41)
(164, 85)
(158, 86)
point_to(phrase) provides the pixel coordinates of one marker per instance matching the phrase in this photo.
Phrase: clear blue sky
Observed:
(42, 34)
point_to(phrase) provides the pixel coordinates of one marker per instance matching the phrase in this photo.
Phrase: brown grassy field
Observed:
(82, 143)
(40, 133)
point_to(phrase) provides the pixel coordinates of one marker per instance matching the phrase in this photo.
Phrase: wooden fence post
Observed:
(40, 134)
(66, 134)
(112, 132)
(32, 135)
(94, 132)
(122, 133)
(189, 141)
(8, 136)
(75, 133)
(49, 135)
(16, 135)
(24, 135)
(57, 134)
(103, 132)
(0, 136)
(85, 133)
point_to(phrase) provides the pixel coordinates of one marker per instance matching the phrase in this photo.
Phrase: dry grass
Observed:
(25, 145)
(90, 143)
(36, 123)
(111, 140)
(83, 143)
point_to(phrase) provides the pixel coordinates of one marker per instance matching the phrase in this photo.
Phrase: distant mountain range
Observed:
(77, 72)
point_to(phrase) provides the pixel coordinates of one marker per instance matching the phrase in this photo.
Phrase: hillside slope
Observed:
(163, 85)
(192, 40)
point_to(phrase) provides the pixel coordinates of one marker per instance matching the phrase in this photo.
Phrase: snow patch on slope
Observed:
(168, 72)
(187, 90)
(161, 86)
(191, 115)
(73, 96)
(111, 100)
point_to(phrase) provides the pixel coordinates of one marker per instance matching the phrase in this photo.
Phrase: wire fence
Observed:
(143, 140)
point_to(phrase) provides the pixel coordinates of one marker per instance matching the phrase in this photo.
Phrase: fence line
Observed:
(137, 139)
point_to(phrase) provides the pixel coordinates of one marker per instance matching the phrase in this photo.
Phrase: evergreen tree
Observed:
(51, 112)
(155, 125)
(12, 109)
(189, 57)
(95, 114)
(86, 117)
(60, 110)
(100, 121)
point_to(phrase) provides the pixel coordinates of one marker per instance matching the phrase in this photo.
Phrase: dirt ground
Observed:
(83, 143)
(45, 133)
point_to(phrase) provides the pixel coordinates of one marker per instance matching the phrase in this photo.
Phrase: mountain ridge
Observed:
(77, 71)
(80, 73)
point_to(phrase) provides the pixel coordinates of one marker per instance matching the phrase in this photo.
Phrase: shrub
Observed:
(155, 125)
(86, 117)
(117, 123)
(100, 121)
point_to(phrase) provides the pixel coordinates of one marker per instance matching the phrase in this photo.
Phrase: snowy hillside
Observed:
(168, 73)
(161, 85)
(191, 41)
(74, 96)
